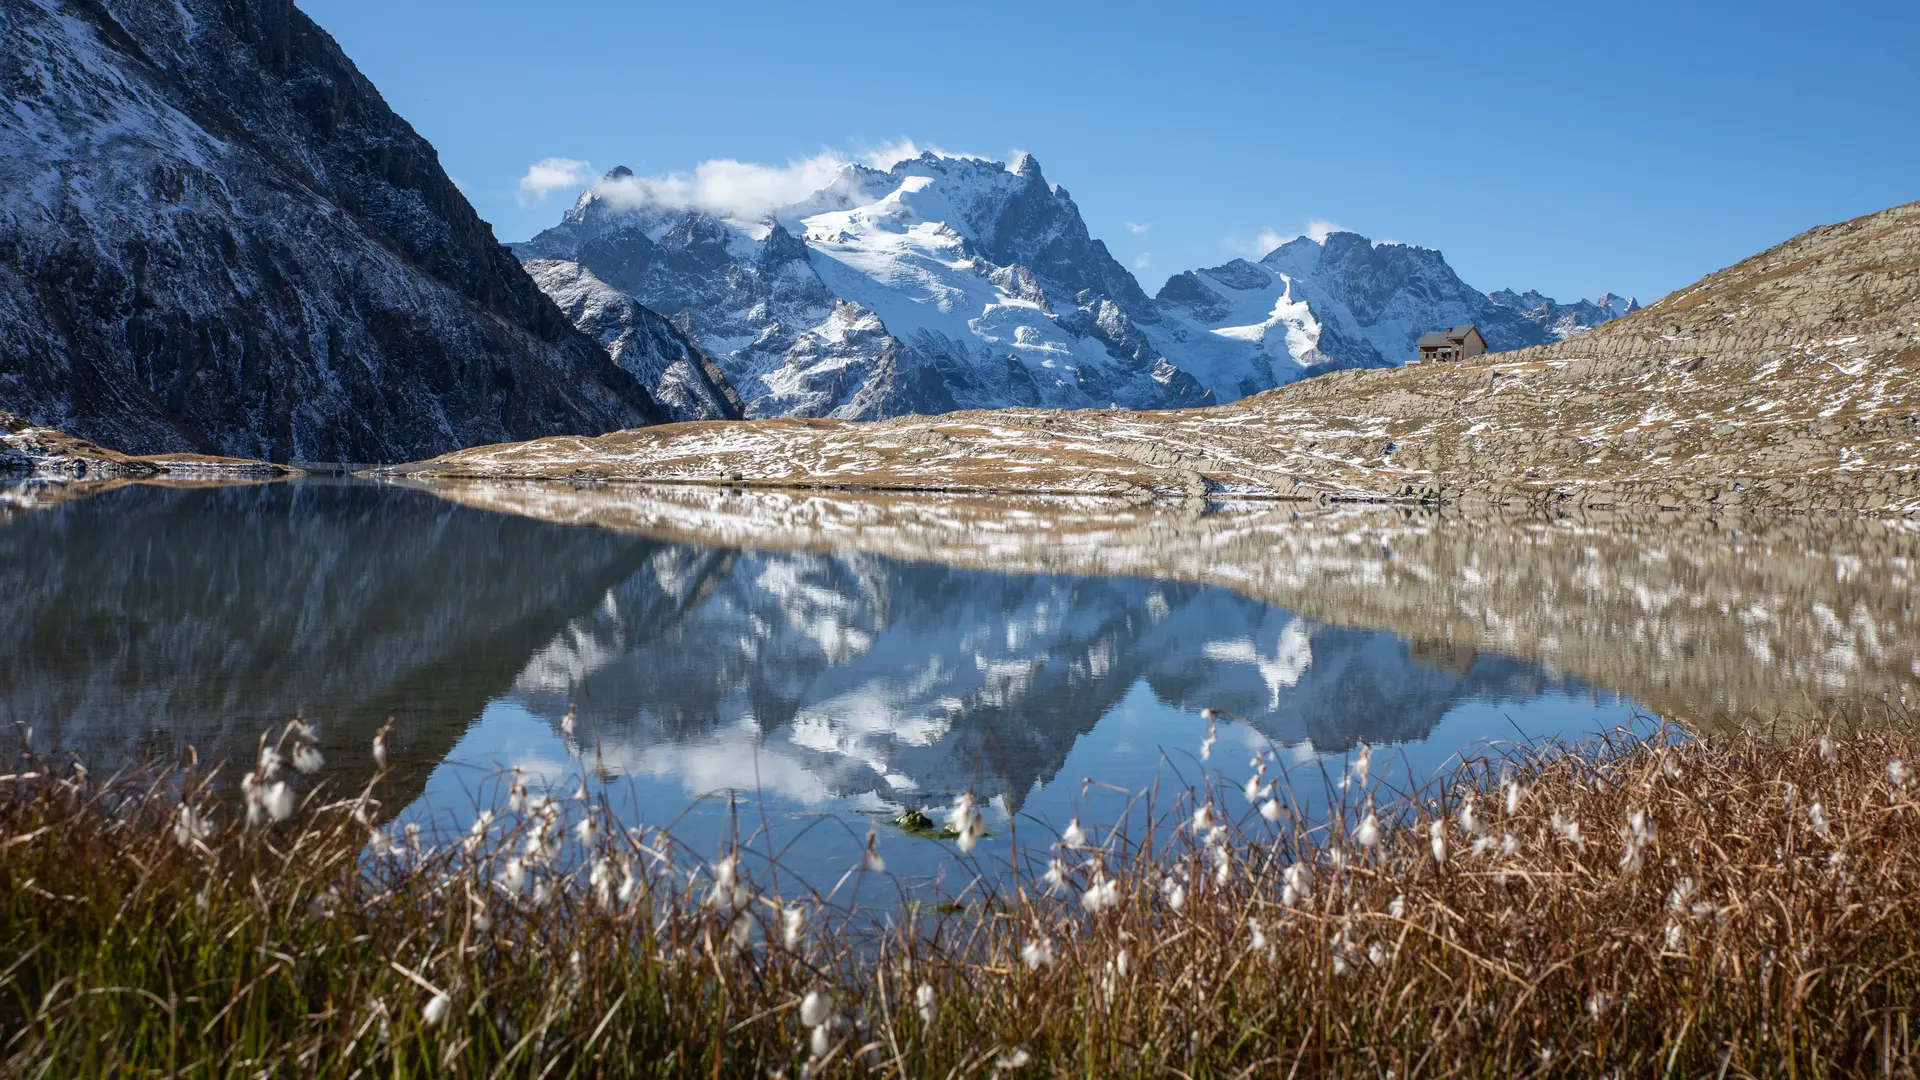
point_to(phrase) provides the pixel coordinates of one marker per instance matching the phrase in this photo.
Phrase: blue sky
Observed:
(1572, 148)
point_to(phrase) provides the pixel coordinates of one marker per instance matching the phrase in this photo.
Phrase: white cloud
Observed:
(1135, 227)
(889, 154)
(1143, 260)
(739, 190)
(1317, 230)
(553, 174)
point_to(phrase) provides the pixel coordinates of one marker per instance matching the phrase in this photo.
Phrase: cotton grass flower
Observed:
(308, 759)
(816, 1009)
(1296, 884)
(278, 800)
(1817, 819)
(1469, 821)
(965, 822)
(1368, 834)
(1898, 774)
(1174, 893)
(1102, 895)
(793, 927)
(1037, 953)
(923, 1003)
(1271, 809)
(1515, 792)
(1073, 835)
(1827, 752)
(1203, 818)
(513, 877)
(436, 1009)
(1437, 831)
(1056, 876)
(191, 829)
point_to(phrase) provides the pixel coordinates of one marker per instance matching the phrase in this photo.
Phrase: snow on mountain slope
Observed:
(940, 283)
(1319, 304)
(216, 236)
(1562, 321)
(685, 382)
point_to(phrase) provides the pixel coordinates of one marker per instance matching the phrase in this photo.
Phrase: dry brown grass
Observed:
(1760, 919)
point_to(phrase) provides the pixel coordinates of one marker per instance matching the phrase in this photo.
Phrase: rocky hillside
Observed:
(686, 383)
(1789, 382)
(215, 236)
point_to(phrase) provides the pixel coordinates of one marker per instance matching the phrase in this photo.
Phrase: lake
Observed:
(799, 668)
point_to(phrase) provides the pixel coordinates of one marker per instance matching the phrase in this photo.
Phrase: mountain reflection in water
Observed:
(866, 673)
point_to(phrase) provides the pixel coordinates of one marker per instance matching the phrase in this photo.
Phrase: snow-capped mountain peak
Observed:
(940, 282)
(945, 281)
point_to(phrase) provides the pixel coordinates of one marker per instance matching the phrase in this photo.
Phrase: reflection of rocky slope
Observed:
(1698, 619)
(152, 617)
(816, 674)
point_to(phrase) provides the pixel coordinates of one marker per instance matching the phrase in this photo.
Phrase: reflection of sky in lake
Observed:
(726, 784)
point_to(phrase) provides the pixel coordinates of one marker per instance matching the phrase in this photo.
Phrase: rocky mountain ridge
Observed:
(215, 236)
(945, 283)
(1789, 382)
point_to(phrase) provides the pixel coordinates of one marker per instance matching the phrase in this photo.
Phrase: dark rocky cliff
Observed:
(216, 236)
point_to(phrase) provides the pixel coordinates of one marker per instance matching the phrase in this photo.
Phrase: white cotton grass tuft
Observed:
(1437, 830)
(1827, 753)
(1368, 834)
(816, 1009)
(1362, 766)
(436, 1009)
(1102, 895)
(278, 799)
(566, 722)
(965, 822)
(923, 1003)
(380, 842)
(793, 927)
(307, 759)
(1817, 820)
(1296, 884)
(1056, 876)
(1271, 809)
(588, 831)
(1469, 820)
(1398, 907)
(1898, 774)
(513, 877)
(192, 828)
(1203, 818)
(1515, 792)
(1174, 893)
(1073, 835)
(1037, 952)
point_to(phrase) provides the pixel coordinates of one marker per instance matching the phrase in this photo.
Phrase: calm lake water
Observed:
(801, 668)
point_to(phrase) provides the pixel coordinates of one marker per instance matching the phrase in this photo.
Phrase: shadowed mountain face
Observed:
(215, 236)
(148, 618)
